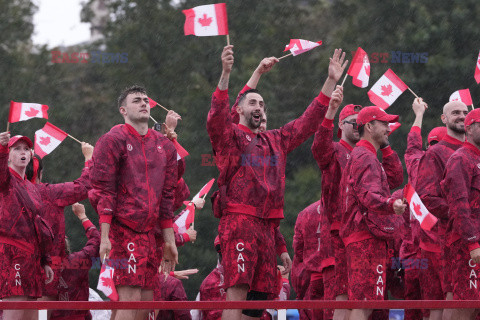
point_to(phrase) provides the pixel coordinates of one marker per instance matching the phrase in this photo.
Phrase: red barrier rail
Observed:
(205, 305)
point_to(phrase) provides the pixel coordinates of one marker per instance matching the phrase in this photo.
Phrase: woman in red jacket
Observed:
(22, 244)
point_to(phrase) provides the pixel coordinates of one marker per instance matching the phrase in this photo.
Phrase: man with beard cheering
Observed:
(252, 180)
(435, 281)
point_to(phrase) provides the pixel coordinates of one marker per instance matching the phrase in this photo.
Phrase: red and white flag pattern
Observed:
(360, 69)
(47, 139)
(21, 111)
(386, 90)
(477, 69)
(152, 102)
(299, 46)
(206, 20)
(394, 126)
(462, 95)
(205, 189)
(181, 152)
(418, 209)
(185, 219)
(105, 282)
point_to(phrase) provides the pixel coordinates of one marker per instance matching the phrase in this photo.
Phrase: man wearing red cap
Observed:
(133, 179)
(410, 241)
(366, 201)
(436, 279)
(254, 192)
(24, 243)
(461, 189)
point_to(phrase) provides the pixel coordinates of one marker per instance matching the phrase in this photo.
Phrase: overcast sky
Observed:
(57, 22)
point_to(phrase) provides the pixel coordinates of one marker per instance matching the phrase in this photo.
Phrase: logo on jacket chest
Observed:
(129, 147)
(478, 165)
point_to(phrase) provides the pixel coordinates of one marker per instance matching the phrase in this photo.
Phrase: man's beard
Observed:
(252, 124)
(452, 126)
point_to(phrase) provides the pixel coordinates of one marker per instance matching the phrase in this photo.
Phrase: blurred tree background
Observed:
(181, 72)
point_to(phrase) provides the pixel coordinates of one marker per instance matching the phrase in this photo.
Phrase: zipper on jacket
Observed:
(146, 174)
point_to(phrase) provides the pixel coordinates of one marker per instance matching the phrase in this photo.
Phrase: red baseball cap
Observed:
(17, 138)
(472, 117)
(369, 114)
(437, 134)
(348, 110)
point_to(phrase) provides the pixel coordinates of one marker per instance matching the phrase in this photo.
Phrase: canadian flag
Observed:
(105, 282)
(418, 209)
(206, 20)
(205, 189)
(394, 126)
(360, 69)
(47, 139)
(477, 69)
(462, 95)
(185, 219)
(152, 102)
(386, 90)
(21, 111)
(181, 152)
(299, 46)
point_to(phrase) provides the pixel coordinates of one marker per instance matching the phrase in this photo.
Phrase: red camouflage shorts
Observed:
(464, 273)
(133, 256)
(366, 264)
(341, 275)
(20, 273)
(248, 252)
(329, 281)
(447, 254)
(431, 277)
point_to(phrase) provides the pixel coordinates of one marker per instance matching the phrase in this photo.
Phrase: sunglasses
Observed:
(353, 123)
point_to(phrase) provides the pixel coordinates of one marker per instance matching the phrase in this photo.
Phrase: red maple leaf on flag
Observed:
(367, 70)
(107, 282)
(31, 113)
(45, 141)
(386, 90)
(205, 21)
(417, 209)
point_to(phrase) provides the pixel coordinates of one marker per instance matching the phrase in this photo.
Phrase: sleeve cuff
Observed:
(87, 224)
(285, 280)
(246, 88)
(323, 99)
(416, 129)
(221, 94)
(390, 202)
(186, 237)
(281, 250)
(166, 224)
(327, 123)
(3, 149)
(387, 151)
(172, 274)
(473, 246)
(105, 219)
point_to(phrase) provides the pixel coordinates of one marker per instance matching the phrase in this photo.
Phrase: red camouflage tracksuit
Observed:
(410, 241)
(170, 289)
(306, 240)
(332, 158)
(55, 198)
(133, 188)
(461, 188)
(366, 189)
(20, 249)
(434, 280)
(73, 280)
(255, 193)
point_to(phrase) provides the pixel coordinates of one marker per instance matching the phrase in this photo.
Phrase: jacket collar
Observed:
(366, 144)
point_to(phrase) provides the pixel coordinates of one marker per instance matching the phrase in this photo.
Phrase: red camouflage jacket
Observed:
(170, 289)
(430, 174)
(258, 185)
(55, 198)
(366, 185)
(73, 284)
(18, 225)
(134, 178)
(461, 189)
